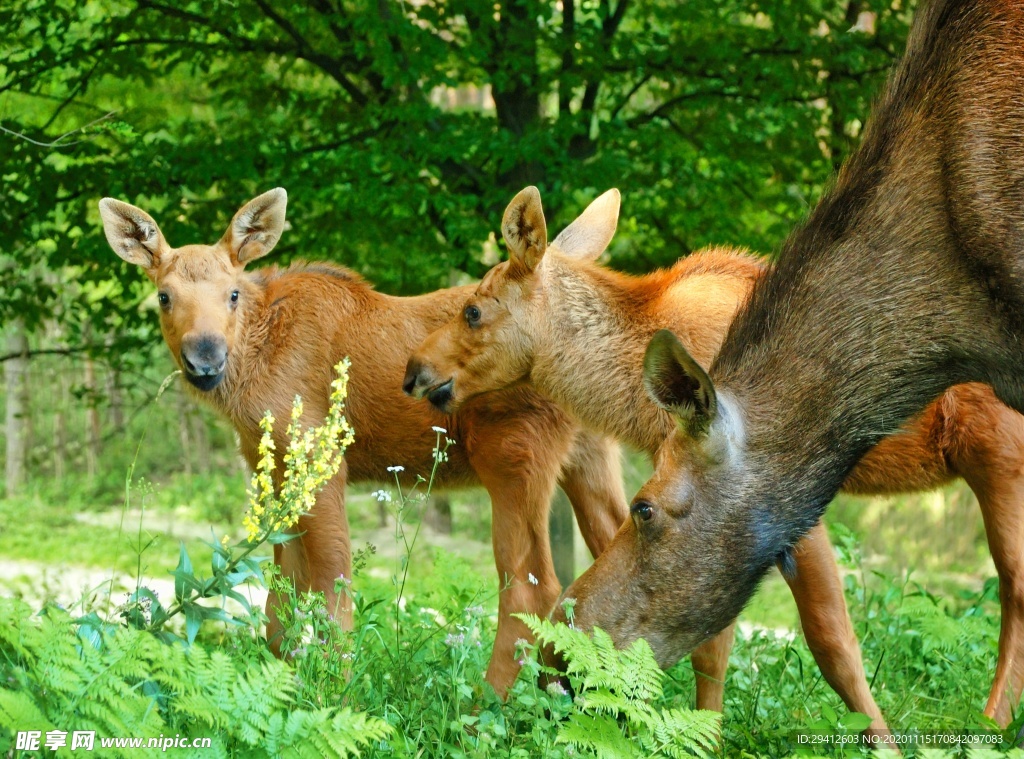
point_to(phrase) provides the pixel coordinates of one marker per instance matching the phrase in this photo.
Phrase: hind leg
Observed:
(592, 478)
(1004, 525)
(818, 592)
(989, 454)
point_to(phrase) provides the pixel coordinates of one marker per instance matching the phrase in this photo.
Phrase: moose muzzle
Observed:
(203, 359)
(420, 381)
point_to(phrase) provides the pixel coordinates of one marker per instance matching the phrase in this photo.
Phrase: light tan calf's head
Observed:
(199, 287)
(490, 344)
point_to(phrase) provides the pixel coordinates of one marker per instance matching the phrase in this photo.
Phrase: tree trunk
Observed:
(200, 440)
(16, 376)
(116, 396)
(93, 427)
(184, 434)
(563, 534)
(439, 514)
(60, 426)
(516, 88)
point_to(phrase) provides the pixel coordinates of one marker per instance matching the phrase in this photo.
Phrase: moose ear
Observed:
(678, 384)
(257, 226)
(132, 233)
(589, 235)
(524, 229)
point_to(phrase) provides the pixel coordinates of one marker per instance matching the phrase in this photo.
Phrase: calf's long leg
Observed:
(592, 479)
(518, 463)
(319, 556)
(710, 661)
(984, 443)
(818, 592)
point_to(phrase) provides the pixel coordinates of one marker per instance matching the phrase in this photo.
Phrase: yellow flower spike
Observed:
(312, 457)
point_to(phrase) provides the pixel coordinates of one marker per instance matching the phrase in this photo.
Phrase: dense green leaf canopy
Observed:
(401, 129)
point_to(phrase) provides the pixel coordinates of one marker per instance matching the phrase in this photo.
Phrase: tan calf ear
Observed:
(257, 226)
(524, 229)
(589, 235)
(132, 233)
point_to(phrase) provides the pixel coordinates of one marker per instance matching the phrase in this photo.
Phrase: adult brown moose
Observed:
(251, 341)
(579, 332)
(907, 278)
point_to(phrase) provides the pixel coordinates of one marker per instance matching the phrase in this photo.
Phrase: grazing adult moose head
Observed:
(492, 345)
(201, 287)
(906, 279)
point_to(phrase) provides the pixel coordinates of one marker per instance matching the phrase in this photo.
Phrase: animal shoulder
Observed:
(304, 269)
(729, 262)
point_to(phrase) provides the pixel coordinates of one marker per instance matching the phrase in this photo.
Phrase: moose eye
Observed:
(163, 298)
(234, 296)
(643, 510)
(472, 314)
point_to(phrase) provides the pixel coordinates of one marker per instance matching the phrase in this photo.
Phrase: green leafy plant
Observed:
(134, 678)
(313, 457)
(612, 714)
(127, 682)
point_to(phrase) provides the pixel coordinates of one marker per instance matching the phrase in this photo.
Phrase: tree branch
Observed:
(71, 351)
(57, 143)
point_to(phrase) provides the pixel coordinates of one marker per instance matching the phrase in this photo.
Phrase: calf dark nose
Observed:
(412, 375)
(204, 359)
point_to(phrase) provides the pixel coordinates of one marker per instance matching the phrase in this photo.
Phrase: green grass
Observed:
(929, 637)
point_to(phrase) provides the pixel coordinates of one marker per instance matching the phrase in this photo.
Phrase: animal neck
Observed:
(588, 351)
(875, 305)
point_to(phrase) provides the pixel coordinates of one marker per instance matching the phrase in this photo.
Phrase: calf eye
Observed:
(472, 314)
(643, 510)
(164, 298)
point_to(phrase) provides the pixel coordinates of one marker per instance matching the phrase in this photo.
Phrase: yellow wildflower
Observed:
(312, 458)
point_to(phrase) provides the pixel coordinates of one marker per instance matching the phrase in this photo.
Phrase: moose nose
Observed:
(412, 378)
(203, 359)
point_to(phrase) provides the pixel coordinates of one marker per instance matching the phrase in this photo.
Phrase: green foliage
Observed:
(137, 678)
(612, 714)
(127, 682)
(402, 129)
(420, 646)
(415, 661)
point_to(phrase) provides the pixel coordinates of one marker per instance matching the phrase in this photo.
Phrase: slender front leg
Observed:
(710, 660)
(522, 556)
(592, 479)
(818, 592)
(319, 556)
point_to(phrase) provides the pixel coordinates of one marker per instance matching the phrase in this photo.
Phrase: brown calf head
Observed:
(490, 344)
(667, 575)
(199, 287)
